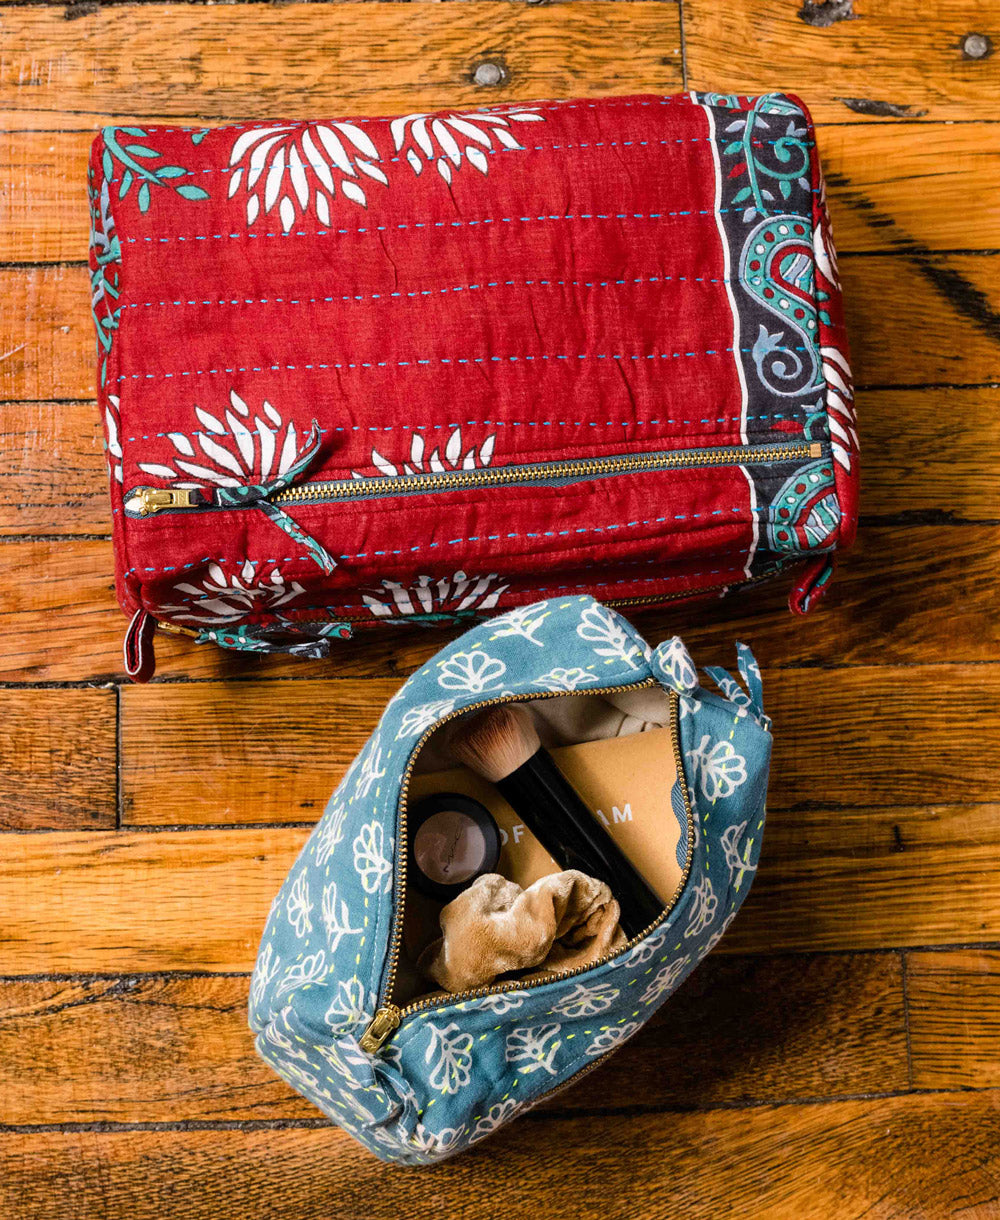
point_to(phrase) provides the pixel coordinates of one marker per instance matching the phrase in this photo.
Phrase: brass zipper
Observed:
(145, 501)
(506, 476)
(389, 1015)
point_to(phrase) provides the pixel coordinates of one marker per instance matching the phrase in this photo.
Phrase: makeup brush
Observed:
(502, 746)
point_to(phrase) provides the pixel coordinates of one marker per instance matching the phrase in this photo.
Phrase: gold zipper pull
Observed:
(384, 1024)
(815, 450)
(153, 499)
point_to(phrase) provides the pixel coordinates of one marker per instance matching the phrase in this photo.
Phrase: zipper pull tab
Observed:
(155, 499)
(383, 1026)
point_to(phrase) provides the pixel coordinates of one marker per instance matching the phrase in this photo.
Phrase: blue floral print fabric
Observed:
(454, 1072)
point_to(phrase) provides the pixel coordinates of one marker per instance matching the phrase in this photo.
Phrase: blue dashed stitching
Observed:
(455, 224)
(426, 361)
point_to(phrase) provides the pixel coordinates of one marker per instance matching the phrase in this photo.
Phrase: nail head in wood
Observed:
(977, 46)
(488, 74)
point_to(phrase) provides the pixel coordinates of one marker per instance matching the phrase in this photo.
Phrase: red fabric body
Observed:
(573, 301)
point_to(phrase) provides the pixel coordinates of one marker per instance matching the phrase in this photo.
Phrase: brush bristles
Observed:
(495, 742)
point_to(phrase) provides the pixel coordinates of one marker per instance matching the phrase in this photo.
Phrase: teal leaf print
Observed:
(137, 164)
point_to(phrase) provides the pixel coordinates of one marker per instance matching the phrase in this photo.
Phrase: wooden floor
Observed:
(839, 1055)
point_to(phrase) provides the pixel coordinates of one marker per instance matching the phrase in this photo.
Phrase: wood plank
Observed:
(53, 479)
(873, 877)
(931, 453)
(954, 1010)
(877, 1159)
(917, 459)
(265, 755)
(908, 172)
(66, 626)
(895, 305)
(265, 752)
(874, 53)
(745, 1029)
(47, 343)
(134, 1049)
(166, 63)
(830, 880)
(899, 309)
(741, 1029)
(58, 758)
(108, 902)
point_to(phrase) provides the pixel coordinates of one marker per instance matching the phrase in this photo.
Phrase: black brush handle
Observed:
(556, 815)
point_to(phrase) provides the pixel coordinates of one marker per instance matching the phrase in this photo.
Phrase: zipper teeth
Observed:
(501, 475)
(441, 999)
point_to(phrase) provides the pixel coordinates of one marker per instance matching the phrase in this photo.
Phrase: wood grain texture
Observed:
(107, 902)
(66, 625)
(954, 1009)
(166, 63)
(264, 753)
(887, 185)
(880, 1159)
(312, 732)
(895, 304)
(154, 1049)
(872, 877)
(53, 479)
(876, 52)
(57, 759)
(830, 879)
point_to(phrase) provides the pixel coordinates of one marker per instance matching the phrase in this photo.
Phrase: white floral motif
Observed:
(703, 908)
(351, 1004)
(533, 1049)
(565, 679)
(259, 453)
(439, 1142)
(450, 1053)
(434, 595)
(502, 1001)
(664, 979)
(336, 917)
(716, 936)
(370, 860)
(448, 140)
(370, 773)
(495, 1117)
(584, 1001)
(719, 767)
(268, 965)
(300, 167)
(113, 443)
(281, 1041)
(601, 627)
(474, 672)
(689, 705)
(330, 832)
(219, 599)
(299, 906)
(734, 693)
(676, 665)
(645, 950)
(525, 621)
(612, 1038)
(419, 719)
(307, 971)
(739, 865)
(437, 461)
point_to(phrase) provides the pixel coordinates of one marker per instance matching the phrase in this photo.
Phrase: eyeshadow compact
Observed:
(453, 840)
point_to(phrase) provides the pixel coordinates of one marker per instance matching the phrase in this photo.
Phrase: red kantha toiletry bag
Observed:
(442, 365)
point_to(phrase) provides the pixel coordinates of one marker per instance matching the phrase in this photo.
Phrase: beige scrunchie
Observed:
(562, 921)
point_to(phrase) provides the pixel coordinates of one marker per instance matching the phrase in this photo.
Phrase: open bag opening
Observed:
(620, 749)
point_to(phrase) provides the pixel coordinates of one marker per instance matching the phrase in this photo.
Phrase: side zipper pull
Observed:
(384, 1024)
(137, 647)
